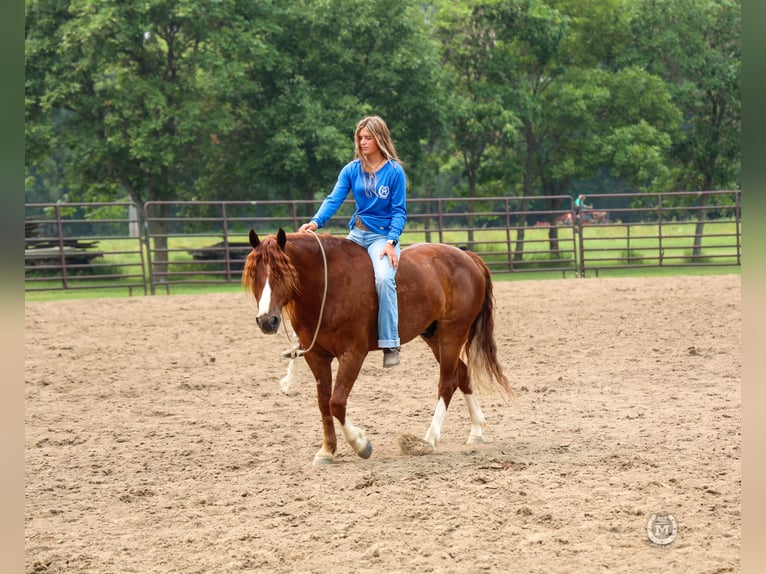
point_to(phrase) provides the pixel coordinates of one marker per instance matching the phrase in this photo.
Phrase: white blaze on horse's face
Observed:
(264, 302)
(268, 319)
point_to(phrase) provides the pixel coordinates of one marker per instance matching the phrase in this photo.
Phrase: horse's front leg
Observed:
(349, 366)
(322, 370)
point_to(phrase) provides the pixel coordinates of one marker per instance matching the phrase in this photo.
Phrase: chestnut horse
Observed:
(445, 297)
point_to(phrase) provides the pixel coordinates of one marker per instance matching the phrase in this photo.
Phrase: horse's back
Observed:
(438, 283)
(421, 260)
(435, 282)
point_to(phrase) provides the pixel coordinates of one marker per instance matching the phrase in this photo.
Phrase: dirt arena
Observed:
(158, 440)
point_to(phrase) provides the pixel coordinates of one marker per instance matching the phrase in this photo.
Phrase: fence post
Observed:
(577, 222)
(148, 239)
(441, 220)
(226, 249)
(659, 229)
(737, 227)
(62, 253)
(508, 236)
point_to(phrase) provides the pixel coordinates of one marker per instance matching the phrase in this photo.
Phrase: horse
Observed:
(600, 216)
(326, 287)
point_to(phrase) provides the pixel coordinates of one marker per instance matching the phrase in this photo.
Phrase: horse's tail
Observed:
(481, 351)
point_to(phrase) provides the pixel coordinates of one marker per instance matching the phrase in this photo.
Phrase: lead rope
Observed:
(300, 352)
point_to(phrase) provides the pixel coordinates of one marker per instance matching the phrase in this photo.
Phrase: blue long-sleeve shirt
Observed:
(382, 209)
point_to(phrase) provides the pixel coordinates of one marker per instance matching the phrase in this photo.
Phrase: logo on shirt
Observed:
(383, 191)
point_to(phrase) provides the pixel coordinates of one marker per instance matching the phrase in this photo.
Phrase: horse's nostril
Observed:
(274, 321)
(258, 321)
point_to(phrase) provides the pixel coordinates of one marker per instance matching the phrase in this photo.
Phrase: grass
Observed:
(608, 248)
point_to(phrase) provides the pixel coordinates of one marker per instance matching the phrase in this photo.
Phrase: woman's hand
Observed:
(390, 251)
(310, 226)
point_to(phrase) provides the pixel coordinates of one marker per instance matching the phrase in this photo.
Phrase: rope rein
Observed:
(300, 352)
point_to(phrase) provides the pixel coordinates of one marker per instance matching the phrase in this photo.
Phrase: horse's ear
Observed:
(254, 241)
(281, 238)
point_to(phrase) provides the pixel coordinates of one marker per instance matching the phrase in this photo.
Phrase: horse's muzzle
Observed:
(268, 323)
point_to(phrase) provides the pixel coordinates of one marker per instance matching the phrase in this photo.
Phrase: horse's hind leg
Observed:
(433, 434)
(448, 360)
(463, 382)
(478, 423)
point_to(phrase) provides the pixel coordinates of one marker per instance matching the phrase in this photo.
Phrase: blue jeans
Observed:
(385, 285)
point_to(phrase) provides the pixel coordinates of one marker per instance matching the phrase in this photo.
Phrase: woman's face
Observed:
(367, 144)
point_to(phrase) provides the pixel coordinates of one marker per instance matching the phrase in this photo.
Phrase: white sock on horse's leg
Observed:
(435, 430)
(478, 422)
(286, 382)
(356, 438)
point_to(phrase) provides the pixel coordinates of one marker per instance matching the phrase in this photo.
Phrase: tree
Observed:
(479, 114)
(337, 61)
(591, 116)
(695, 46)
(126, 95)
(178, 99)
(530, 66)
(577, 115)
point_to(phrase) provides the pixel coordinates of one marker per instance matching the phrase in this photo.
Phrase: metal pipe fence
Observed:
(681, 229)
(83, 246)
(104, 245)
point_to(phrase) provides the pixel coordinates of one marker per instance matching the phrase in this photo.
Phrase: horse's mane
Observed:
(283, 278)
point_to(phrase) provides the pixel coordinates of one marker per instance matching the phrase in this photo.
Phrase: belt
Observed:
(359, 225)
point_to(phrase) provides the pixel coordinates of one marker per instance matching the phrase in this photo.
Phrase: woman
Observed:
(377, 179)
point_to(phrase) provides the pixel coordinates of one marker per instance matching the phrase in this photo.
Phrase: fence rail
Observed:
(104, 245)
(701, 229)
(83, 246)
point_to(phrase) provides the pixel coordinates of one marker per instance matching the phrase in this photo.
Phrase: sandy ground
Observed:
(158, 440)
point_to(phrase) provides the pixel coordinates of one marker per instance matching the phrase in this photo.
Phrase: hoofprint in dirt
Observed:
(158, 440)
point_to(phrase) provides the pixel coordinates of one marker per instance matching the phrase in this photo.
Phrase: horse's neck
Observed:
(316, 264)
(309, 260)
(311, 268)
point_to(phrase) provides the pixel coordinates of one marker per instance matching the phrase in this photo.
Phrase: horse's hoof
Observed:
(323, 459)
(366, 452)
(475, 439)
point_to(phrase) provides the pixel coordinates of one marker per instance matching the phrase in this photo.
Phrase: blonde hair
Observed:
(379, 131)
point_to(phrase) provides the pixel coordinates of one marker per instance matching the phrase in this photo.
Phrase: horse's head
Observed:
(271, 278)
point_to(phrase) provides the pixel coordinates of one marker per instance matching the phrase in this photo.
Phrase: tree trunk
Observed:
(472, 178)
(157, 230)
(700, 227)
(518, 252)
(529, 166)
(553, 230)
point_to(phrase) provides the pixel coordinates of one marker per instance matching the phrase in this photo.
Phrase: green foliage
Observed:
(695, 47)
(243, 99)
(125, 96)
(337, 61)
